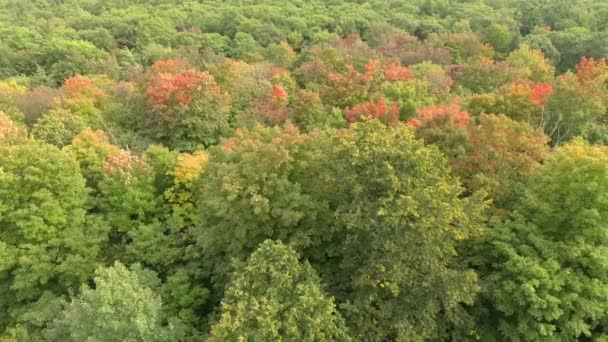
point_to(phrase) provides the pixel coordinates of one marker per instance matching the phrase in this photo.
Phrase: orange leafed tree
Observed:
(499, 153)
(389, 114)
(171, 66)
(352, 86)
(396, 72)
(540, 93)
(82, 88)
(589, 70)
(166, 89)
(441, 114)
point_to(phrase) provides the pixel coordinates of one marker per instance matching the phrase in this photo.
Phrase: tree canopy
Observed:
(306, 170)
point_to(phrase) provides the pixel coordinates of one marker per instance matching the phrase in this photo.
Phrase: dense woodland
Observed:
(303, 170)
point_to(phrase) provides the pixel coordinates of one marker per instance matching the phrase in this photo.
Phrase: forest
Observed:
(303, 170)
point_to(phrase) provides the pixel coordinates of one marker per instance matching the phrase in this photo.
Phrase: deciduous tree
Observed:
(543, 268)
(276, 297)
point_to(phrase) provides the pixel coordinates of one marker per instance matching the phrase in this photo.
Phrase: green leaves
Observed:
(544, 270)
(275, 297)
(48, 242)
(373, 210)
(122, 307)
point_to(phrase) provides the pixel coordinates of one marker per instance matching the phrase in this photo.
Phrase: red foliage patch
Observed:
(165, 89)
(450, 113)
(278, 92)
(395, 72)
(81, 87)
(540, 93)
(376, 110)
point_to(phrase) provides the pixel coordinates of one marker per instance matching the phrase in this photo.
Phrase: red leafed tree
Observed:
(540, 93)
(278, 92)
(444, 125)
(273, 108)
(388, 114)
(187, 108)
(352, 86)
(440, 114)
(396, 72)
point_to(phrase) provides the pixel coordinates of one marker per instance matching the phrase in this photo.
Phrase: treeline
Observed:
(50, 40)
(303, 170)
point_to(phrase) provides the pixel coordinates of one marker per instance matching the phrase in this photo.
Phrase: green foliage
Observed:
(47, 242)
(203, 123)
(245, 47)
(121, 307)
(277, 297)
(499, 36)
(536, 67)
(572, 110)
(543, 270)
(157, 106)
(484, 75)
(127, 195)
(57, 127)
(64, 58)
(410, 95)
(379, 190)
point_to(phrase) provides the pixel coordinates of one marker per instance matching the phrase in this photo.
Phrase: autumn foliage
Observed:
(352, 86)
(122, 164)
(499, 153)
(588, 70)
(445, 114)
(272, 108)
(167, 89)
(432, 170)
(9, 132)
(540, 93)
(395, 72)
(388, 114)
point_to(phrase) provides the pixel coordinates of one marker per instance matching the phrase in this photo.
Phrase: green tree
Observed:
(281, 54)
(276, 297)
(533, 63)
(374, 211)
(47, 242)
(245, 47)
(484, 75)
(499, 36)
(91, 149)
(543, 270)
(121, 307)
(57, 127)
(573, 109)
(410, 95)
